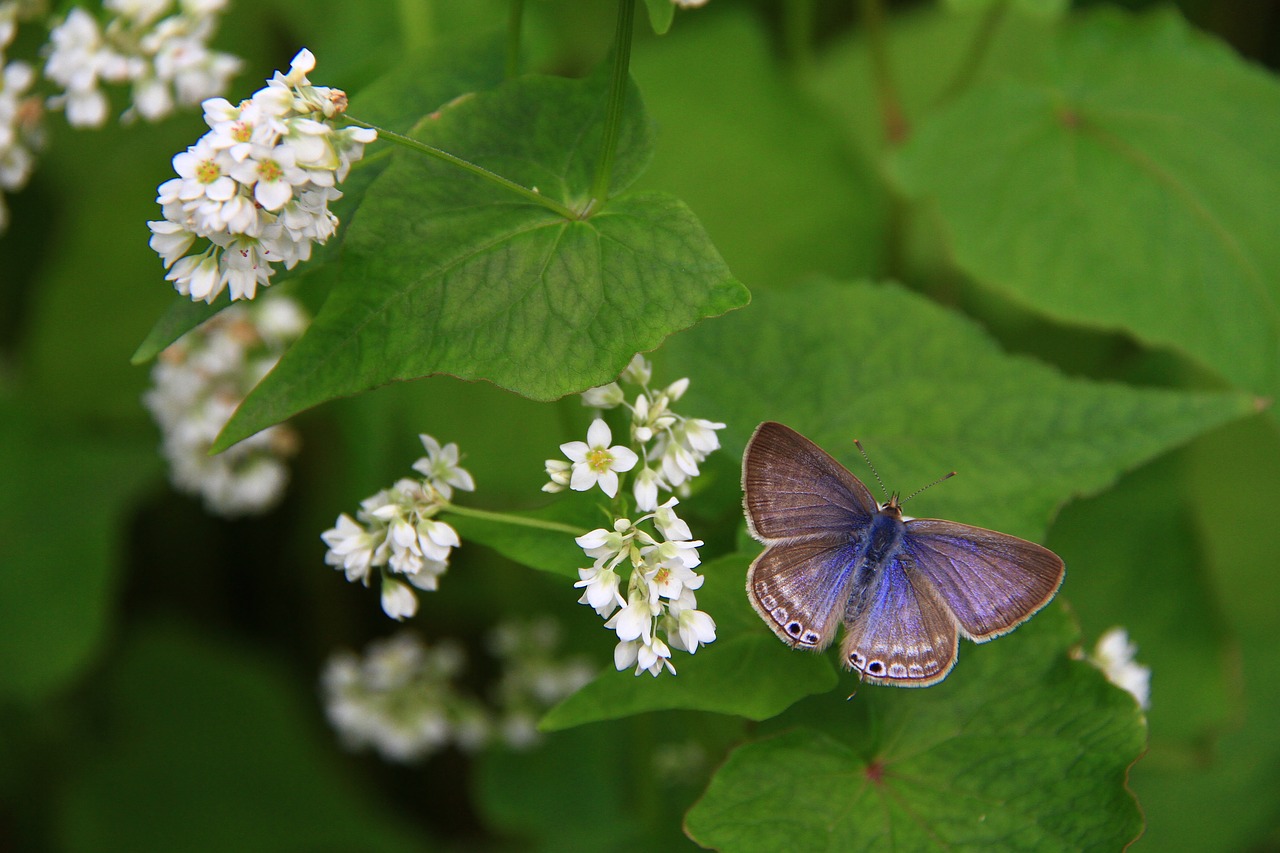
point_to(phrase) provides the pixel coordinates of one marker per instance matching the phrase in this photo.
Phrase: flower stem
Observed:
(507, 184)
(977, 52)
(513, 38)
(893, 120)
(518, 520)
(617, 100)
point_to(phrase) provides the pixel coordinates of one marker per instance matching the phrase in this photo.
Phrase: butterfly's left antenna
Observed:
(863, 451)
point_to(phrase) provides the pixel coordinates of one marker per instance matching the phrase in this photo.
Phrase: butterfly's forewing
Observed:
(991, 582)
(800, 589)
(793, 489)
(899, 631)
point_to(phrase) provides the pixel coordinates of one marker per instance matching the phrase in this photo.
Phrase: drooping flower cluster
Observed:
(399, 699)
(656, 553)
(255, 190)
(1115, 655)
(20, 114)
(159, 48)
(533, 679)
(198, 382)
(398, 533)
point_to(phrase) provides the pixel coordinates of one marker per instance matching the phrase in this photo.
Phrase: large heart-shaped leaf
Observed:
(446, 272)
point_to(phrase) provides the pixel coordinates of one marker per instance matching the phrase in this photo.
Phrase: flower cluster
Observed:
(671, 445)
(20, 114)
(158, 48)
(255, 190)
(198, 382)
(1115, 655)
(398, 532)
(533, 679)
(656, 553)
(399, 699)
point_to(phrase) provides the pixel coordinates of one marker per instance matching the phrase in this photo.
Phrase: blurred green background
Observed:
(158, 667)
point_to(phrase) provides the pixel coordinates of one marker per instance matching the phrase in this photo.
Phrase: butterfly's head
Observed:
(893, 507)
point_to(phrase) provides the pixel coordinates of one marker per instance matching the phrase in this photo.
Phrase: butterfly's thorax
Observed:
(884, 537)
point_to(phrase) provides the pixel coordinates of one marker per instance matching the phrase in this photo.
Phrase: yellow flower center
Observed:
(269, 170)
(242, 131)
(208, 172)
(599, 460)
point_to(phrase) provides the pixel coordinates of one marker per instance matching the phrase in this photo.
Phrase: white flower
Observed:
(255, 190)
(600, 589)
(650, 656)
(398, 600)
(594, 461)
(1114, 655)
(646, 489)
(196, 385)
(605, 397)
(559, 472)
(400, 699)
(635, 620)
(351, 547)
(440, 466)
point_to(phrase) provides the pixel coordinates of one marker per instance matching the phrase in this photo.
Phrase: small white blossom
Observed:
(1115, 655)
(197, 383)
(594, 461)
(255, 190)
(440, 467)
(533, 679)
(20, 115)
(656, 554)
(400, 699)
(397, 532)
(166, 60)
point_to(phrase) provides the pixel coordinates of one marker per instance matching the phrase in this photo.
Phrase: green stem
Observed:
(977, 51)
(893, 120)
(531, 195)
(617, 100)
(518, 520)
(513, 38)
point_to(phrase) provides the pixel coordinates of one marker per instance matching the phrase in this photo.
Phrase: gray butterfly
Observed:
(904, 588)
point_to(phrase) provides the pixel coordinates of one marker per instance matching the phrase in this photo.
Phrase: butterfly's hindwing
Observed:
(794, 489)
(898, 630)
(991, 582)
(800, 588)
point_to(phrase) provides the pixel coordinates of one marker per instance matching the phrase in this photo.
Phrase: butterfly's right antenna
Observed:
(862, 450)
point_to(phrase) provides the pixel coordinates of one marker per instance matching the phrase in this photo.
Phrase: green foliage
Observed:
(1056, 276)
(446, 273)
(751, 674)
(258, 776)
(1143, 153)
(1039, 764)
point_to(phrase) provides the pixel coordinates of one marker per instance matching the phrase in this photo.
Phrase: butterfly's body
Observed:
(905, 589)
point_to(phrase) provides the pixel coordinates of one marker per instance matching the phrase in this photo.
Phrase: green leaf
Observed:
(209, 749)
(57, 590)
(808, 205)
(1120, 546)
(1128, 186)
(445, 272)
(661, 14)
(1022, 747)
(396, 101)
(746, 671)
(552, 551)
(929, 392)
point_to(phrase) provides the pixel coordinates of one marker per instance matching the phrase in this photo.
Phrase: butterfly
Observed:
(905, 588)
